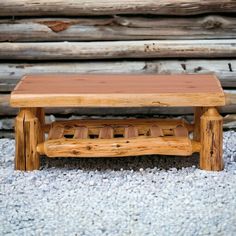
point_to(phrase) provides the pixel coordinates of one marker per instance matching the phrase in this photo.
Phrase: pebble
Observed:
(146, 195)
(91, 183)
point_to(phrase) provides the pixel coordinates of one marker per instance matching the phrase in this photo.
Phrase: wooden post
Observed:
(211, 140)
(40, 114)
(199, 111)
(28, 135)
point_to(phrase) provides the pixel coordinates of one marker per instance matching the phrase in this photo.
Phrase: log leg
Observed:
(27, 129)
(211, 140)
(199, 111)
(40, 114)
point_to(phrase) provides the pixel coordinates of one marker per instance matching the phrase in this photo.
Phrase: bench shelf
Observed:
(114, 138)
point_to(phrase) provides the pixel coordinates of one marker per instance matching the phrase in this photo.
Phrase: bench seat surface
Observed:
(79, 90)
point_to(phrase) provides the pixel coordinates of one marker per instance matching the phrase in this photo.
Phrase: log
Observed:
(27, 137)
(117, 28)
(229, 121)
(118, 147)
(6, 110)
(119, 49)
(104, 7)
(198, 112)
(11, 73)
(7, 134)
(211, 154)
(230, 97)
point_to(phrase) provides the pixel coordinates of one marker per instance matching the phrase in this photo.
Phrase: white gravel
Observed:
(125, 196)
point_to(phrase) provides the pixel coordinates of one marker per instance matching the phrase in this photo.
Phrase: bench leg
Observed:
(211, 140)
(28, 135)
(40, 114)
(198, 112)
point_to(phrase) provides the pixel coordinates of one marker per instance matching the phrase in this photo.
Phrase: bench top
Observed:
(117, 90)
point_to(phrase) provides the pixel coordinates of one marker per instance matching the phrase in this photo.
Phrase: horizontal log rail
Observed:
(119, 49)
(143, 125)
(225, 69)
(182, 146)
(117, 28)
(104, 7)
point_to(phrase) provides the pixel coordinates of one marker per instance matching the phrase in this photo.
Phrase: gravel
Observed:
(146, 195)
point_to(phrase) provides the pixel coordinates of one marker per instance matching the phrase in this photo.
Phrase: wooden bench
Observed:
(114, 138)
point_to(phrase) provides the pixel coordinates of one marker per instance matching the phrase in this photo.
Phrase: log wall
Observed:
(104, 7)
(126, 36)
(117, 28)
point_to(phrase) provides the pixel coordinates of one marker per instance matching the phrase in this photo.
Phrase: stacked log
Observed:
(104, 7)
(116, 28)
(126, 36)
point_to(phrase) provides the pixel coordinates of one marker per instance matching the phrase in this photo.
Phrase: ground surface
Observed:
(129, 196)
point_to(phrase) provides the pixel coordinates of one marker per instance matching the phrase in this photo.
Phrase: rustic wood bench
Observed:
(114, 137)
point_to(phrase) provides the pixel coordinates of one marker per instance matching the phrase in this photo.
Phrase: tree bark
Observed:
(104, 7)
(119, 49)
(117, 28)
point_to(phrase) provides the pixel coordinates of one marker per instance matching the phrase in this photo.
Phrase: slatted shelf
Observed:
(120, 128)
(104, 138)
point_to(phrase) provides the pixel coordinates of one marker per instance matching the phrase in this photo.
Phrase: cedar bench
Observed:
(114, 137)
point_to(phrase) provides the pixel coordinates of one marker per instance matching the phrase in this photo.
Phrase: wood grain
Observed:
(125, 91)
(56, 131)
(80, 132)
(117, 28)
(104, 7)
(198, 112)
(6, 110)
(211, 154)
(131, 131)
(40, 114)
(180, 131)
(118, 125)
(119, 147)
(119, 49)
(117, 84)
(27, 138)
(20, 153)
(106, 132)
(157, 131)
